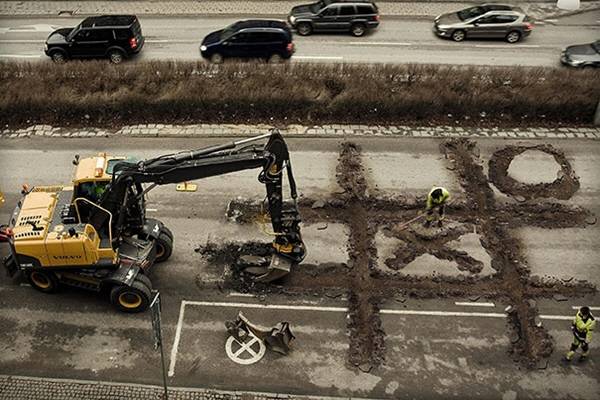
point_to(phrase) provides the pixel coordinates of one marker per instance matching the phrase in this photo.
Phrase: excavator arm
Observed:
(124, 196)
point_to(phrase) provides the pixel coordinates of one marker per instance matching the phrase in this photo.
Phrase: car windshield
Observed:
(596, 46)
(229, 31)
(471, 12)
(71, 34)
(314, 8)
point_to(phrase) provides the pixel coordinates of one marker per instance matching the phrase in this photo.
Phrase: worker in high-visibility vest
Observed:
(436, 200)
(582, 327)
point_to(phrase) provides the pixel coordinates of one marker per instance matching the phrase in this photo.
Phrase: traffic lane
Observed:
(195, 28)
(390, 53)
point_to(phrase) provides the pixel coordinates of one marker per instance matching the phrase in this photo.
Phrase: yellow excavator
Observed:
(94, 233)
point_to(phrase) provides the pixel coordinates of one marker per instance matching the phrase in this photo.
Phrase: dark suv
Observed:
(114, 36)
(335, 16)
(269, 39)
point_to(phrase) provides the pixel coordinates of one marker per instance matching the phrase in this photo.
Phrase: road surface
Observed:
(396, 41)
(437, 347)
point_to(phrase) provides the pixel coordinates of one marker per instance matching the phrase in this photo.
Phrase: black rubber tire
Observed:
(358, 29)
(217, 58)
(43, 281)
(164, 247)
(58, 56)
(304, 29)
(116, 56)
(458, 35)
(275, 58)
(510, 35)
(168, 232)
(131, 299)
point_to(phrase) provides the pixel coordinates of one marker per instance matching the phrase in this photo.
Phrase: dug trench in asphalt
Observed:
(76, 334)
(396, 41)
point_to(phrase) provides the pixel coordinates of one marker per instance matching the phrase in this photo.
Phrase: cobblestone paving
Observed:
(22, 388)
(538, 10)
(166, 130)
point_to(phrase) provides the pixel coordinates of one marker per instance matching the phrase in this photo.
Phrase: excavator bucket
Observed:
(278, 268)
(277, 338)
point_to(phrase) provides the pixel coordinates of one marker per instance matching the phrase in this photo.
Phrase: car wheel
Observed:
(275, 59)
(44, 281)
(116, 56)
(513, 37)
(58, 57)
(458, 36)
(216, 58)
(131, 299)
(304, 29)
(358, 30)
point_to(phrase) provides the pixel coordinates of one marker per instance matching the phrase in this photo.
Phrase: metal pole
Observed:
(164, 371)
(155, 308)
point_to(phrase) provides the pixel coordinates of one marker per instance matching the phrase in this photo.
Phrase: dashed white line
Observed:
(591, 308)
(444, 313)
(505, 46)
(9, 41)
(472, 304)
(152, 209)
(317, 58)
(266, 306)
(237, 294)
(378, 43)
(19, 56)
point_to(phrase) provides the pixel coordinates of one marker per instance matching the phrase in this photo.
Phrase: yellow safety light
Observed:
(186, 187)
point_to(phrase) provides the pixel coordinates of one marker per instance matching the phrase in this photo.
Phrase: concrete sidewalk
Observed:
(538, 10)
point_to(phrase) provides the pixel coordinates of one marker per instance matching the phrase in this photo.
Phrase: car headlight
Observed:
(203, 48)
(46, 46)
(292, 19)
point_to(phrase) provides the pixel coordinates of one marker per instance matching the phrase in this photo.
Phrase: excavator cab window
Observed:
(92, 191)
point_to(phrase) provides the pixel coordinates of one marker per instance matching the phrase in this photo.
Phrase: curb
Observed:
(298, 131)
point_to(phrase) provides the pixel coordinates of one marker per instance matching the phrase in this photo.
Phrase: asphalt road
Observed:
(460, 351)
(396, 41)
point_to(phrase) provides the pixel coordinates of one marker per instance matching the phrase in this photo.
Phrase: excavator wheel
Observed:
(164, 246)
(44, 281)
(131, 299)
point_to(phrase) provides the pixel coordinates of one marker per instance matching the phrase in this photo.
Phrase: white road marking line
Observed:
(173, 41)
(471, 304)
(506, 46)
(8, 41)
(237, 294)
(24, 284)
(266, 306)
(550, 20)
(591, 308)
(317, 58)
(177, 338)
(19, 56)
(152, 209)
(444, 313)
(378, 43)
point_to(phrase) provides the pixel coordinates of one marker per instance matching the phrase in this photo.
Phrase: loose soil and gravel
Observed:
(366, 212)
(99, 94)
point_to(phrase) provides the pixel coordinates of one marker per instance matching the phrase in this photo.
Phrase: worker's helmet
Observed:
(585, 311)
(437, 193)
